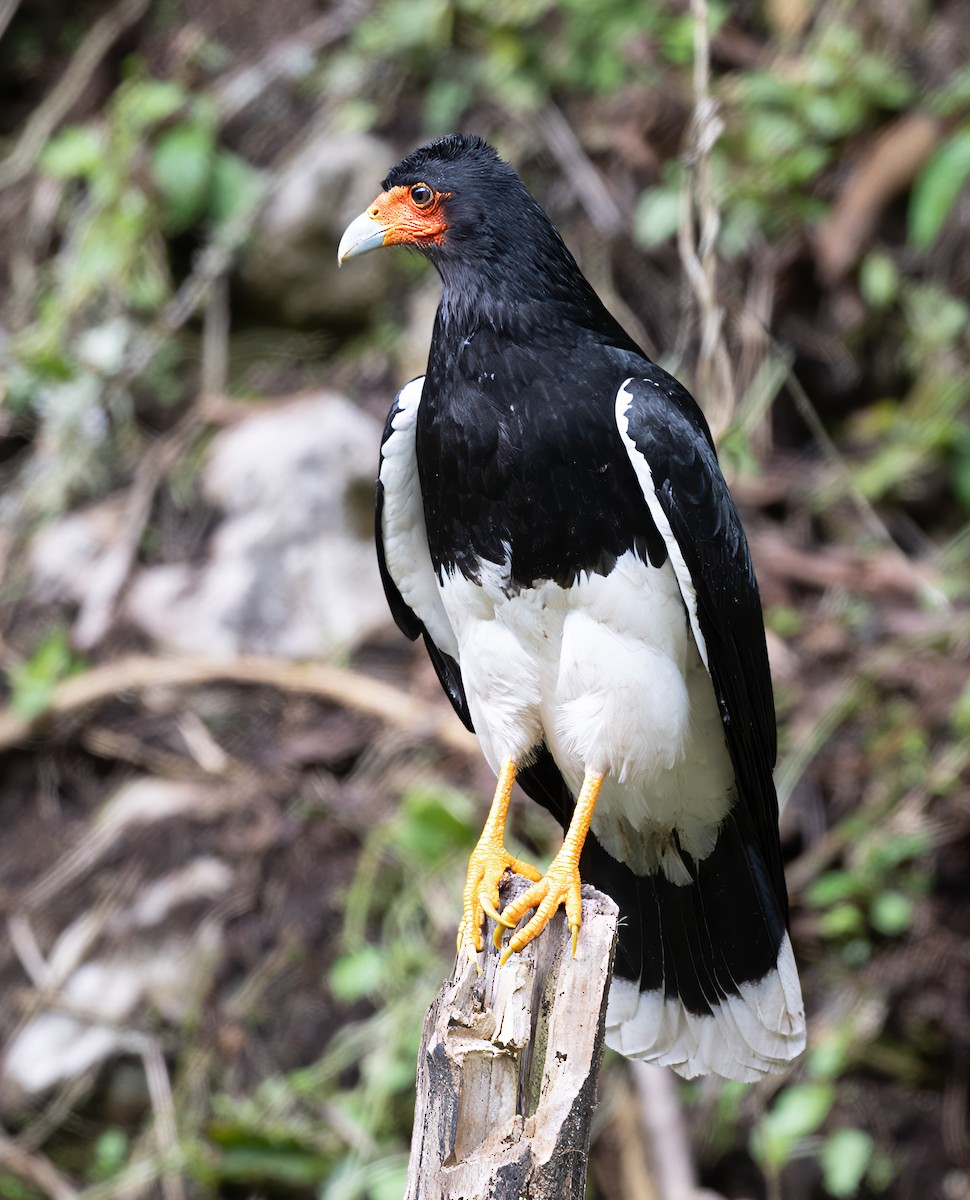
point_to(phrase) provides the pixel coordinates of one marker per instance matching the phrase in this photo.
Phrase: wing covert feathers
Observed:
(407, 571)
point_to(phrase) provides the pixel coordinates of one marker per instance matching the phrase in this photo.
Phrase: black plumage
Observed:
(544, 451)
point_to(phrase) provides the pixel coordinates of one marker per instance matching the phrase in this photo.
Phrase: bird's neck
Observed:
(544, 300)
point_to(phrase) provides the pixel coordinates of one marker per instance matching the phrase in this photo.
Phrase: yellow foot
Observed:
(488, 863)
(560, 885)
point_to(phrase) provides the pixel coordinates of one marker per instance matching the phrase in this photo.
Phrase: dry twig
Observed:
(55, 107)
(888, 166)
(589, 186)
(715, 378)
(665, 1133)
(35, 1169)
(350, 689)
(110, 573)
(291, 58)
(8, 9)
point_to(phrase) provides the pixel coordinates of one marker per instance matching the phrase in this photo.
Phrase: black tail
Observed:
(704, 979)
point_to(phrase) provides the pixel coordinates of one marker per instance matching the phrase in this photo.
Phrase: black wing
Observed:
(664, 429)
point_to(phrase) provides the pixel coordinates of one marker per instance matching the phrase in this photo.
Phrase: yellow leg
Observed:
(488, 863)
(560, 884)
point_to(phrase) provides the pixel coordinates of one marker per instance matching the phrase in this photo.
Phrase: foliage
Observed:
(876, 892)
(937, 189)
(32, 682)
(151, 169)
(400, 908)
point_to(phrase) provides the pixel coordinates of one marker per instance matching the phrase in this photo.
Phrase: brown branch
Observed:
(111, 572)
(841, 567)
(589, 186)
(35, 1169)
(291, 58)
(888, 166)
(349, 689)
(58, 103)
(698, 255)
(8, 9)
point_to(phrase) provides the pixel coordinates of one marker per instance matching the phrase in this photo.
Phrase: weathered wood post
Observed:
(508, 1066)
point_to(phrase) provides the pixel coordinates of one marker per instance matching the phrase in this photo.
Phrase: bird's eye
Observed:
(421, 195)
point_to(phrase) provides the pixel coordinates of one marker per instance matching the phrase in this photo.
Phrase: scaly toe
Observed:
(560, 886)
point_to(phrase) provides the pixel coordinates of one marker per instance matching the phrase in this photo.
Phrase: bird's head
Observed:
(459, 204)
(497, 252)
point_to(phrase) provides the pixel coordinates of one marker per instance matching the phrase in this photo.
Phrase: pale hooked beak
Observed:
(362, 234)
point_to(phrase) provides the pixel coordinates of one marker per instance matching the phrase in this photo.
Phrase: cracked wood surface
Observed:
(508, 1066)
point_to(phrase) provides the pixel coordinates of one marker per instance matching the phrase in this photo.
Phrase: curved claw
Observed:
(561, 885)
(490, 910)
(486, 867)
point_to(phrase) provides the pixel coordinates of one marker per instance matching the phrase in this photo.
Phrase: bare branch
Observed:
(55, 107)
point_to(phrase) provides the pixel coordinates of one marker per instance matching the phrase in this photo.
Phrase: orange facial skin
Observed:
(407, 222)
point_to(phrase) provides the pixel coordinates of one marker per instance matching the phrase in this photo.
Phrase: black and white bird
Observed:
(552, 521)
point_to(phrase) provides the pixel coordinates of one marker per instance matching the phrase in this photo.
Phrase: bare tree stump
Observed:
(508, 1066)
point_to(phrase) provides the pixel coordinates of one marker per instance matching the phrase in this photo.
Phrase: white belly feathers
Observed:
(608, 674)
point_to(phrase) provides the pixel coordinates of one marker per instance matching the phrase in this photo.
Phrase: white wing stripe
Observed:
(645, 479)
(402, 527)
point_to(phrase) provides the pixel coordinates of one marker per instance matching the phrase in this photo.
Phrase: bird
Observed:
(553, 523)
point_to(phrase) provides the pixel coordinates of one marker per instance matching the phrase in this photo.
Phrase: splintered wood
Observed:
(508, 1065)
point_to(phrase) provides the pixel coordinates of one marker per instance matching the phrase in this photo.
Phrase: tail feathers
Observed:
(758, 1031)
(713, 988)
(704, 979)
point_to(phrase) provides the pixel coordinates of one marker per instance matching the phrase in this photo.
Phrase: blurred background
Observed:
(234, 806)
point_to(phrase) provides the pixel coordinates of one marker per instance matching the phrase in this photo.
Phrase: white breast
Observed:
(608, 674)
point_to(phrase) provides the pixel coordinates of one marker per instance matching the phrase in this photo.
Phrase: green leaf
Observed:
(75, 153)
(856, 953)
(845, 1158)
(182, 165)
(445, 102)
(799, 1111)
(878, 280)
(237, 188)
(831, 1054)
(33, 682)
(784, 620)
(358, 974)
(830, 888)
(841, 921)
(287, 1167)
(658, 216)
(429, 824)
(110, 1153)
(891, 913)
(145, 102)
(899, 848)
(937, 188)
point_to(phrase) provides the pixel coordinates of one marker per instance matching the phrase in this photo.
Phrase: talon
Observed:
(488, 863)
(490, 910)
(561, 884)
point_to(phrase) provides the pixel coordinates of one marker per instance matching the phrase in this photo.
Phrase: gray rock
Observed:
(292, 571)
(291, 265)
